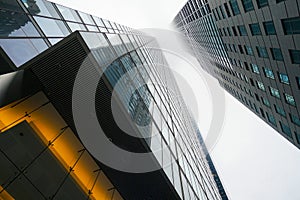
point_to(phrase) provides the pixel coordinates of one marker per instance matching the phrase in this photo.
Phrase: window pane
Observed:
(291, 25)
(249, 50)
(255, 68)
(242, 30)
(269, 28)
(271, 119)
(234, 7)
(275, 92)
(284, 78)
(248, 5)
(295, 56)
(276, 54)
(269, 73)
(87, 19)
(68, 13)
(51, 27)
(261, 85)
(280, 111)
(290, 99)
(76, 27)
(262, 52)
(44, 8)
(295, 119)
(262, 3)
(255, 29)
(285, 129)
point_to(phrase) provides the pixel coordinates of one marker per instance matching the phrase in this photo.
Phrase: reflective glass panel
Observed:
(41, 7)
(68, 14)
(52, 27)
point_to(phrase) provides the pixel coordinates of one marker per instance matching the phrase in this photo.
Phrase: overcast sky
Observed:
(253, 161)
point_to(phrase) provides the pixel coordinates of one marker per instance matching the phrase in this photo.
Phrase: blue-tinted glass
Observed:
(255, 29)
(117, 44)
(14, 24)
(276, 54)
(295, 119)
(280, 111)
(291, 25)
(234, 7)
(68, 13)
(242, 30)
(275, 92)
(284, 78)
(262, 3)
(295, 56)
(262, 52)
(51, 27)
(76, 26)
(266, 102)
(290, 99)
(255, 68)
(269, 28)
(41, 7)
(248, 5)
(261, 85)
(285, 129)
(22, 50)
(298, 81)
(249, 50)
(271, 119)
(269, 73)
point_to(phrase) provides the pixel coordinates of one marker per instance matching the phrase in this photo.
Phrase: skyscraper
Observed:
(252, 48)
(62, 70)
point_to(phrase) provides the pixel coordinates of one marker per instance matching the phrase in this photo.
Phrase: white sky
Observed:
(253, 161)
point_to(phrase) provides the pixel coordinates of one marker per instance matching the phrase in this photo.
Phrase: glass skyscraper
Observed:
(252, 48)
(44, 46)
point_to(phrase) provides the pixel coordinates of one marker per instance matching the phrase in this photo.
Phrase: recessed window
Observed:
(271, 119)
(262, 52)
(289, 99)
(261, 86)
(298, 81)
(266, 102)
(255, 29)
(295, 56)
(269, 28)
(248, 5)
(295, 119)
(242, 30)
(249, 50)
(284, 78)
(255, 68)
(274, 92)
(280, 110)
(229, 31)
(234, 7)
(291, 25)
(262, 3)
(234, 31)
(285, 129)
(269, 73)
(276, 54)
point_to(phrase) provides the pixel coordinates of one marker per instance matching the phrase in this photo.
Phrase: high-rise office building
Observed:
(253, 48)
(47, 51)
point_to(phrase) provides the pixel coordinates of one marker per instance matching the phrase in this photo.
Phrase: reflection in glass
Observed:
(51, 27)
(87, 19)
(76, 26)
(98, 21)
(14, 24)
(41, 7)
(22, 50)
(68, 13)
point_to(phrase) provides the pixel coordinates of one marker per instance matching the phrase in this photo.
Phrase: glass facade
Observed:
(267, 52)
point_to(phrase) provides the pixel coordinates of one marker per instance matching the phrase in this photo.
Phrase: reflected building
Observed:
(41, 149)
(252, 49)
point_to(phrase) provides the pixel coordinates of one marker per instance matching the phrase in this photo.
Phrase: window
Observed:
(248, 5)
(229, 32)
(291, 25)
(275, 92)
(227, 10)
(266, 101)
(276, 54)
(249, 50)
(234, 31)
(284, 78)
(271, 119)
(295, 56)
(269, 28)
(262, 52)
(261, 86)
(290, 99)
(234, 7)
(242, 30)
(262, 3)
(295, 119)
(280, 111)
(255, 29)
(285, 129)
(255, 68)
(298, 81)
(269, 73)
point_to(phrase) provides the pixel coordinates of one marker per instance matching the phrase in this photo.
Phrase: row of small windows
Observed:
(247, 6)
(284, 128)
(262, 52)
(290, 26)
